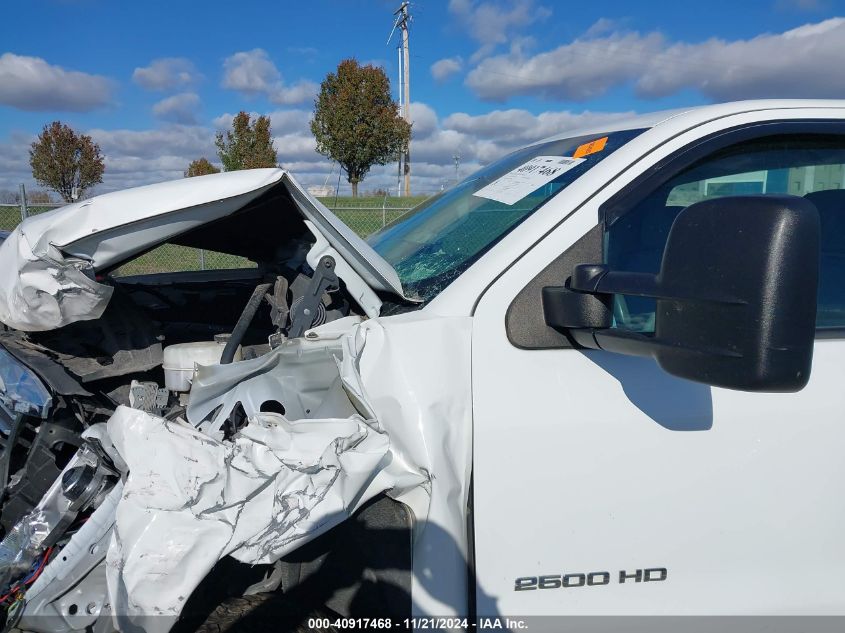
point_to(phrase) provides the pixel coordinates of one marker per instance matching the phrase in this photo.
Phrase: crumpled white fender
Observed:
(414, 369)
(45, 291)
(190, 500)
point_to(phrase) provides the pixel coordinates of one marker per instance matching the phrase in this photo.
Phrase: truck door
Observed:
(602, 484)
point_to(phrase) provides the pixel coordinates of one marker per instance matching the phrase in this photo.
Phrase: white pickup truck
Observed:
(598, 377)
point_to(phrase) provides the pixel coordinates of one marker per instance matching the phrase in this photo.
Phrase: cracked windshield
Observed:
(442, 237)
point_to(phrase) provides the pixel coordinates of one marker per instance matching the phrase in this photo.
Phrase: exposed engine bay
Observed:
(142, 353)
(94, 366)
(173, 440)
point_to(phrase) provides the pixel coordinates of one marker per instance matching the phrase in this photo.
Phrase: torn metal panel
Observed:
(48, 264)
(190, 500)
(297, 375)
(108, 228)
(43, 290)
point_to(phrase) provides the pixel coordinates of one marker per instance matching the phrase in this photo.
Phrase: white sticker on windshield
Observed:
(528, 177)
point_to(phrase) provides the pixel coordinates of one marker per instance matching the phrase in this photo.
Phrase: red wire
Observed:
(40, 567)
(37, 573)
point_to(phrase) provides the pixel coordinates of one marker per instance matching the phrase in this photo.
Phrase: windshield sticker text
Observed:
(527, 178)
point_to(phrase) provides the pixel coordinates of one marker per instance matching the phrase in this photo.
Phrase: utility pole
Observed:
(457, 159)
(401, 113)
(403, 20)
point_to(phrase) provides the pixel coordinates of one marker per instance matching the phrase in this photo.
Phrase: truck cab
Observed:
(604, 484)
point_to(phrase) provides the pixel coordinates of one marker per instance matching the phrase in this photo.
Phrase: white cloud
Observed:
(602, 26)
(137, 157)
(295, 147)
(494, 23)
(803, 62)
(289, 121)
(174, 140)
(224, 121)
(444, 68)
(302, 91)
(584, 69)
(167, 73)
(250, 72)
(180, 108)
(513, 128)
(253, 73)
(30, 83)
(14, 161)
(424, 120)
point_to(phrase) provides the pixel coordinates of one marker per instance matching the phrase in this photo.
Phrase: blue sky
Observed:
(151, 81)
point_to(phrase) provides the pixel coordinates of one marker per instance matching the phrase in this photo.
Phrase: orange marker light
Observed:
(590, 148)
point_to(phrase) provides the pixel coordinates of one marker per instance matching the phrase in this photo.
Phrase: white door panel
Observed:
(587, 461)
(606, 463)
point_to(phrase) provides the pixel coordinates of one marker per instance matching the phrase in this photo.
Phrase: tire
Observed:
(260, 612)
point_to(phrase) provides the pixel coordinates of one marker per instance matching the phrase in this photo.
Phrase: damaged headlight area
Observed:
(85, 478)
(26, 549)
(21, 391)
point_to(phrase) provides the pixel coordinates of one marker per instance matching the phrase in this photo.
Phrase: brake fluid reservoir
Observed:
(180, 361)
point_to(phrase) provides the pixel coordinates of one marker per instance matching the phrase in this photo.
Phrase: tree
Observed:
(356, 123)
(63, 160)
(247, 145)
(200, 167)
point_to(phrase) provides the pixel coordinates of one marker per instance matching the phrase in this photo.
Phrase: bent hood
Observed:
(49, 263)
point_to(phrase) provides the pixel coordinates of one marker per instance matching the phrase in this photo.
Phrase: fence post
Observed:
(24, 210)
(202, 259)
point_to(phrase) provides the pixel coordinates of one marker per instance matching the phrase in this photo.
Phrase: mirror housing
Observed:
(736, 296)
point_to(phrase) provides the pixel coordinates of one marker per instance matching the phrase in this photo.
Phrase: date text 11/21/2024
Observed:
(421, 623)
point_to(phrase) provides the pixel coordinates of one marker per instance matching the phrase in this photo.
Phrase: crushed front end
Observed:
(209, 435)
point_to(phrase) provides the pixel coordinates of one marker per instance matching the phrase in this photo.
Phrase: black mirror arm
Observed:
(599, 279)
(636, 344)
(586, 300)
(592, 328)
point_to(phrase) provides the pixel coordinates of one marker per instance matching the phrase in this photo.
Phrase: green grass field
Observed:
(364, 215)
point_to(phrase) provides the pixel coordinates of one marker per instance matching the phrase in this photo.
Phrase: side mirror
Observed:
(736, 296)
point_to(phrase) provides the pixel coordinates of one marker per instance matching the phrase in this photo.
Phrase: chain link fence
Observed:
(365, 216)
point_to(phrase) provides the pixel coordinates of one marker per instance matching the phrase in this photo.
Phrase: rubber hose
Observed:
(243, 323)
